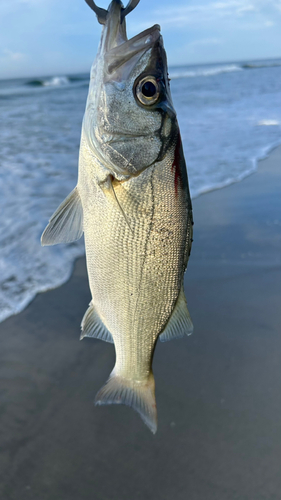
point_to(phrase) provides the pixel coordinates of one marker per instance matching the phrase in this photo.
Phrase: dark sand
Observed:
(218, 392)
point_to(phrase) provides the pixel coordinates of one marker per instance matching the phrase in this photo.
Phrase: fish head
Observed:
(130, 119)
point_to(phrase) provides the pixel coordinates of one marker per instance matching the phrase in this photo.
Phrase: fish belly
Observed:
(136, 266)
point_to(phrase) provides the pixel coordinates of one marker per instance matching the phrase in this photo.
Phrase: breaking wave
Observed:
(216, 70)
(261, 65)
(56, 81)
(208, 71)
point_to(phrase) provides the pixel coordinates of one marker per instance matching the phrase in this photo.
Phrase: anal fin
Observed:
(180, 322)
(92, 326)
(66, 224)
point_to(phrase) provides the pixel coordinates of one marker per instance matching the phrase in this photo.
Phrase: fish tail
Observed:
(140, 395)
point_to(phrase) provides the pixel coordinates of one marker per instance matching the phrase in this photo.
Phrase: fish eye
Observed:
(147, 90)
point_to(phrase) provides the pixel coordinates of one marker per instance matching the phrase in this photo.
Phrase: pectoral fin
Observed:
(180, 322)
(66, 224)
(110, 193)
(92, 326)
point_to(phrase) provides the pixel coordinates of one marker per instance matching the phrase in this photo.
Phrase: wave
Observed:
(215, 70)
(260, 65)
(78, 78)
(205, 71)
(57, 81)
(54, 81)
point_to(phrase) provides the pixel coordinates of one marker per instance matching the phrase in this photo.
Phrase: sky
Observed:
(57, 37)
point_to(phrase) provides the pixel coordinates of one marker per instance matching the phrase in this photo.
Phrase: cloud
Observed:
(12, 56)
(22, 3)
(201, 45)
(184, 15)
(205, 41)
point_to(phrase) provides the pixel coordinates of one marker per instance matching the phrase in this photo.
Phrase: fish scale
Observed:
(132, 202)
(141, 269)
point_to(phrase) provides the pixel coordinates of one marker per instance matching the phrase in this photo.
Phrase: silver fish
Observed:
(133, 204)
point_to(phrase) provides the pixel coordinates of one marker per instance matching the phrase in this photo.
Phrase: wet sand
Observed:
(218, 392)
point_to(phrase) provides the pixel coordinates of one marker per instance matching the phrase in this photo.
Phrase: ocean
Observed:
(229, 116)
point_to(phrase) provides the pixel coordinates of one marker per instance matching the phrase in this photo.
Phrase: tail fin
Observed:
(139, 395)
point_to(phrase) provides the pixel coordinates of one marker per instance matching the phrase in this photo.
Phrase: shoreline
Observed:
(218, 391)
(255, 161)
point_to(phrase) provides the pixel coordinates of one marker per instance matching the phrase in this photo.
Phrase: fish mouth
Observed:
(123, 137)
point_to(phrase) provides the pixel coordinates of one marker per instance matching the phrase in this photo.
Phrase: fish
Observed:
(132, 203)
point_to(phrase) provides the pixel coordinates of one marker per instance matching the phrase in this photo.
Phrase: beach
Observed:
(218, 391)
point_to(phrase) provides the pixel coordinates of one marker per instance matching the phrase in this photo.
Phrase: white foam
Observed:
(261, 155)
(56, 81)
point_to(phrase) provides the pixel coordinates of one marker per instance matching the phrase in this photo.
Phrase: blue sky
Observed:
(50, 37)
